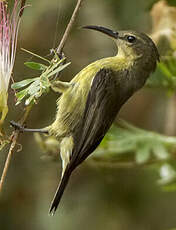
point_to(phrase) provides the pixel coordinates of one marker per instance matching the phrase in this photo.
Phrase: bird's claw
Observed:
(17, 126)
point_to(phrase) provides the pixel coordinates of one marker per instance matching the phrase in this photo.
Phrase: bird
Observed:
(90, 102)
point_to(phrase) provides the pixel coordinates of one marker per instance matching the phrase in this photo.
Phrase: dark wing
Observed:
(102, 105)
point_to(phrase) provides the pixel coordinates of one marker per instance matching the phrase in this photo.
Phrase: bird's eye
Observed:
(131, 39)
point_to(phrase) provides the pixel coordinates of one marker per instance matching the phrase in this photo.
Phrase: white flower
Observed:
(9, 25)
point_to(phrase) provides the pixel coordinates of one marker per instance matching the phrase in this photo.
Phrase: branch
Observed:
(14, 138)
(15, 134)
(9, 156)
(69, 27)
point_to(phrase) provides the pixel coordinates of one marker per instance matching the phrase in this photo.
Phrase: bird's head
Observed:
(131, 44)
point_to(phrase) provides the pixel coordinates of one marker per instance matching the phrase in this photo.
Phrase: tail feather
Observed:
(60, 190)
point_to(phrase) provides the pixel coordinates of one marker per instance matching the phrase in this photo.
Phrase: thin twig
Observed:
(9, 156)
(15, 134)
(14, 138)
(69, 27)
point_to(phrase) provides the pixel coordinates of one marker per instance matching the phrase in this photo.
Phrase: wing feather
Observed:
(103, 103)
(100, 111)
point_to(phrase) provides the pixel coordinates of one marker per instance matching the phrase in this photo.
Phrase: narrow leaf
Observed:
(59, 69)
(165, 69)
(143, 153)
(20, 95)
(36, 66)
(23, 83)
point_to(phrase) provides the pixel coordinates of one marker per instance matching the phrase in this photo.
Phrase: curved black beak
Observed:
(103, 30)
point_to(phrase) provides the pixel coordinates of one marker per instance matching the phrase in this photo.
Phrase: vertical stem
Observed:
(8, 159)
(14, 138)
(69, 27)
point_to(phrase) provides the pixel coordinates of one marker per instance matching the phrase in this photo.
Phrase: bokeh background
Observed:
(97, 197)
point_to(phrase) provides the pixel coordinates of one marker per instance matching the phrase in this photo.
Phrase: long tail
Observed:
(60, 190)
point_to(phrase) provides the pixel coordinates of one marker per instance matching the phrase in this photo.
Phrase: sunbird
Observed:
(90, 102)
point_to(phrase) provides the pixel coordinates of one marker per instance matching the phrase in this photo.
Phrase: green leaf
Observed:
(59, 69)
(20, 95)
(128, 140)
(160, 151)
(165, 69)
(36, 66)
(143, 153)
(30, 100)
(44, 82)
(23, 83)
(34, 87)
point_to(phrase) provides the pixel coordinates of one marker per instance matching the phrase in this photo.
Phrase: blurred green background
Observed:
(97, 197)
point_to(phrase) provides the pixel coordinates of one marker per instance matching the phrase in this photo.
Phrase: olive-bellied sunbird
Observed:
(91, 100)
